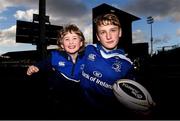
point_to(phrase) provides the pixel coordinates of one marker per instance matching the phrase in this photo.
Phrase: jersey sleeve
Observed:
(131, 73)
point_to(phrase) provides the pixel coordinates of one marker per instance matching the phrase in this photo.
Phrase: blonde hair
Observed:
(69, 29)
(107, 19)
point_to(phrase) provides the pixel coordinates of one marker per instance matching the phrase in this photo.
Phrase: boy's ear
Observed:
(62, 46)
(81, 44)
(97, 37)
(120, 32)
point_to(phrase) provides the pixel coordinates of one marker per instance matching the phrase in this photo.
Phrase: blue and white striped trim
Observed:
(70, 78)
(104, 55)
(95, 45)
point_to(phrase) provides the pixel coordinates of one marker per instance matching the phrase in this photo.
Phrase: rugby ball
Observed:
(133, 95)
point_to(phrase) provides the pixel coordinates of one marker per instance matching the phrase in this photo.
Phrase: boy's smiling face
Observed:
(71, 43)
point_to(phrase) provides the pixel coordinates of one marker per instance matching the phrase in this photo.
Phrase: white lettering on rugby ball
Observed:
(133, 95)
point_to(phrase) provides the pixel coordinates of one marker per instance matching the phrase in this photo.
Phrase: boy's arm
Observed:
(44, 65)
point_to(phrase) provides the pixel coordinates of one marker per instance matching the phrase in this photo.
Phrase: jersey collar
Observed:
(100, 47)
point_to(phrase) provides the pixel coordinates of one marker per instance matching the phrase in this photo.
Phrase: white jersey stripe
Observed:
(70, 78)
(104, 55)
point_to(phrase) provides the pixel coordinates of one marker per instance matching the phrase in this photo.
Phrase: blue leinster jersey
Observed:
(101, 69)
(62, 63)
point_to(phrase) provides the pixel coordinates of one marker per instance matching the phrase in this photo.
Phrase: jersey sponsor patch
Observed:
(97, 74)
(96, 80)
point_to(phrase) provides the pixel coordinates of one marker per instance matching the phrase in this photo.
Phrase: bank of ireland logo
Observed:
(97, 74)
(91, 57)
(61, 63)
(117, 66)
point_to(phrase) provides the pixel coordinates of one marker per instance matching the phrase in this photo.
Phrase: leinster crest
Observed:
(117, 66)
